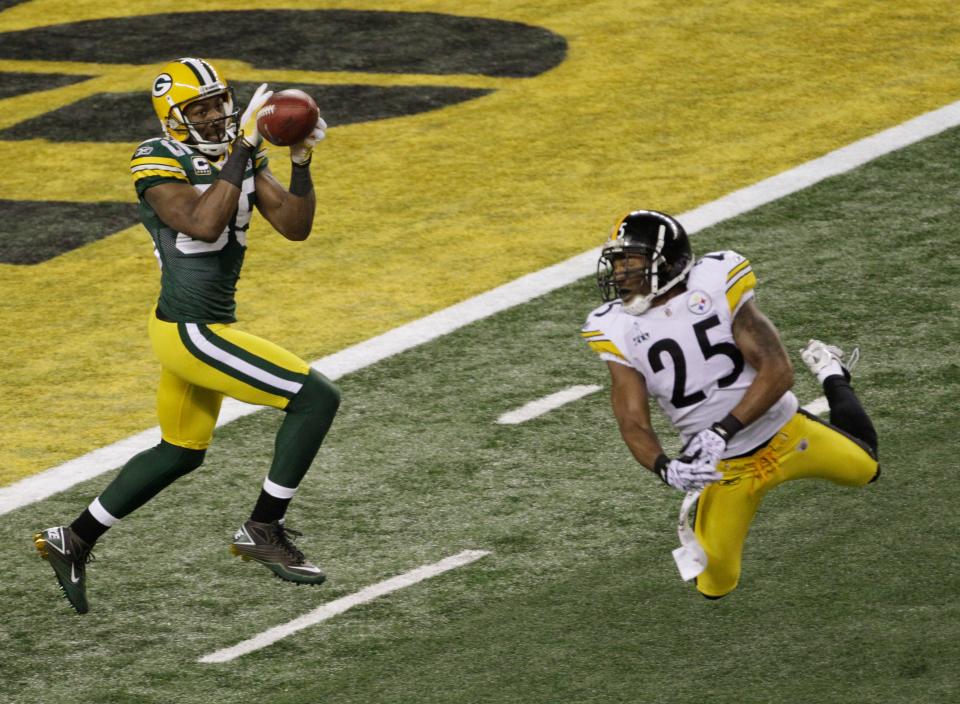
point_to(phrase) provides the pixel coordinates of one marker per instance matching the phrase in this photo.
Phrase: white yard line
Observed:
(338, 606)
(54, 480)
(531, 410)
(817, 406)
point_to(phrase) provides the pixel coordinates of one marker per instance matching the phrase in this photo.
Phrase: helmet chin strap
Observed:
(215, 150)
(210, 148)
(196, 141)
(640, 304)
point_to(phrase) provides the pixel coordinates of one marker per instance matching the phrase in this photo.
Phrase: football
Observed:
(287, 117)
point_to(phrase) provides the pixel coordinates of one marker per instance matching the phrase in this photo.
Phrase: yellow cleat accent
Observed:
(40, 544)
(236, 551)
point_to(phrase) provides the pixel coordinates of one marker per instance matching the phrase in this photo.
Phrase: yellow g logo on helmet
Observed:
(178, 84)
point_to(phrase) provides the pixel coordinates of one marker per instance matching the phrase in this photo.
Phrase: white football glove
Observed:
(689, 476)
(707, 446)
(248, 122)
(302, 152)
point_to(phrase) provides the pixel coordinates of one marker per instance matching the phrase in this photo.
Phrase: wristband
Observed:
(660, 466)
(726, 428)
(236, 165)
(300, 181)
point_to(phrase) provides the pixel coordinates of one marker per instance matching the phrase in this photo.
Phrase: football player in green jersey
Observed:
(198, 186)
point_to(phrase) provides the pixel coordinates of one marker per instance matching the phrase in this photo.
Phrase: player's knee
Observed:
(869, 473)
(192, 459)
(854, 469)
(318, 396)
(180, 460)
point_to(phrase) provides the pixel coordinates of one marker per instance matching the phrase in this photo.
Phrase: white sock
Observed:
(831, 369)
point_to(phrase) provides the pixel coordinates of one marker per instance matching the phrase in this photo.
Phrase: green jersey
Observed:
(198, 280)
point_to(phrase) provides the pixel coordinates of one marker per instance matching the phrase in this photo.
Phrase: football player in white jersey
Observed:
(690, 334)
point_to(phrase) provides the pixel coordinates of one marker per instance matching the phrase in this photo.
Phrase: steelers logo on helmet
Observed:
(177, 94)
(646, 255)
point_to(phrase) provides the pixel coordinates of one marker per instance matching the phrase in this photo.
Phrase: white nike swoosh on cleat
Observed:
(73, 574)
(304, 568)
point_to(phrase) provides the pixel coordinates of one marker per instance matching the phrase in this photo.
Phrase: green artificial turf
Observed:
(847, 594)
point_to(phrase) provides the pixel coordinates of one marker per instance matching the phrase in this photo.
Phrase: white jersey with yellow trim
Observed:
(686, 352)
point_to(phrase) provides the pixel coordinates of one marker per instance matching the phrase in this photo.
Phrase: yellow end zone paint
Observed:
(653, 107)
(525, 288)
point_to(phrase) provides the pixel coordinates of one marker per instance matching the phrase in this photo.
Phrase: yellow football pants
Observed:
(203, 363)
(805, 448)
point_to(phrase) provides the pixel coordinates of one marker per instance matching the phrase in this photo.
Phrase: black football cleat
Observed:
(270, 545)
(68, 555)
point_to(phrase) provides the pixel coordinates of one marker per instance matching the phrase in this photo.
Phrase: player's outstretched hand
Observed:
(688, 476)
(706, 446)
(248, 122)
(302, 152)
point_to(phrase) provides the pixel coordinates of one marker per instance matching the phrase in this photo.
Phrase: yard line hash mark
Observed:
(56, 479)
(537, 408)
(338, 606)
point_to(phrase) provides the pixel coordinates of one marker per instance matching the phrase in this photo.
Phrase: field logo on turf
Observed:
(328, 53)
